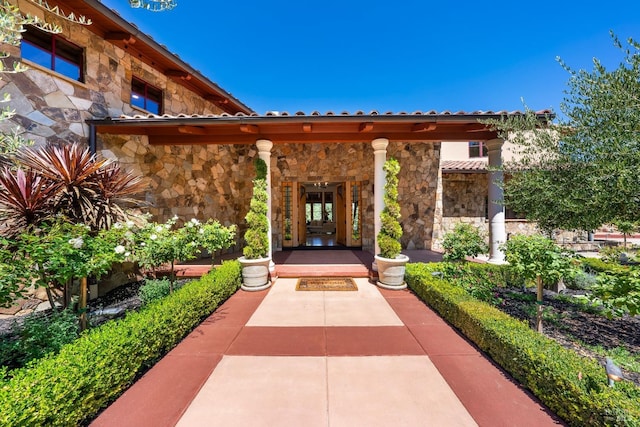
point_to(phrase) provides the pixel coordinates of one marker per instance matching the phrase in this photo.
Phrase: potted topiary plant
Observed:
(256, 259)
(390, 262)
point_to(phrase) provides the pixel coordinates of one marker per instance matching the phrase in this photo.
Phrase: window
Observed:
(53, 52)
(145, 96)
(319, 206)
(477, 149)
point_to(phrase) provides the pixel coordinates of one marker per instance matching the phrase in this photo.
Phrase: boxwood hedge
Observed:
(574, 387)
(85, 376)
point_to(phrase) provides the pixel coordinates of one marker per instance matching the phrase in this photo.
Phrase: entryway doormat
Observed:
(326, 284)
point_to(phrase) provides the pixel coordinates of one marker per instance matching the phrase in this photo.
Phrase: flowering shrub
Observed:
(55, 253)
(156, 244)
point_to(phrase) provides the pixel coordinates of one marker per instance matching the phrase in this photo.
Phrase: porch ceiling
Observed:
(302, 128)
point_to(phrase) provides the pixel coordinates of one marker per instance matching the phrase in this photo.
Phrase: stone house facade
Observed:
(196, 149)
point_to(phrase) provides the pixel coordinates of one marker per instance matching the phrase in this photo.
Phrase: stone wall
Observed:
(464, 199)
(200, 181)
(52, 107)
(417, 188)
(215, 181)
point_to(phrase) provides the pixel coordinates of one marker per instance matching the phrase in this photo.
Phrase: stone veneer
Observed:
(464, 199)
(53, 108)
(214, 181)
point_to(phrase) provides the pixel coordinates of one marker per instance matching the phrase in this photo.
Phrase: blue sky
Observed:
(390, 56)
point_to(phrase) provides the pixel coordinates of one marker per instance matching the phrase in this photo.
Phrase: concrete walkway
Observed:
(283, 357)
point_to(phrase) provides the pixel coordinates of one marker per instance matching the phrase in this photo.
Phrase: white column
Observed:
(379, 157)
(264, 152)
(497, 229)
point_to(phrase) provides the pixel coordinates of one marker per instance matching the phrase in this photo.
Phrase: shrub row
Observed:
(573, 387)
(85, 376)
(596, 265)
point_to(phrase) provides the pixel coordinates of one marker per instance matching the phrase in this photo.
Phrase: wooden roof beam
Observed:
(120, 36)
(249, 128)
(365, 127)
(423, 127)
(307, 127)
(192, 130)
(216, 99)
(178, 74)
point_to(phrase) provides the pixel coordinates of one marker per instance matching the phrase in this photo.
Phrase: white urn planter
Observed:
(391, 271)
(255, 274)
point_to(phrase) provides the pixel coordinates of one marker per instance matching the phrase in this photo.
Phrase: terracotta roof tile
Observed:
(343, 113)
(464, 166)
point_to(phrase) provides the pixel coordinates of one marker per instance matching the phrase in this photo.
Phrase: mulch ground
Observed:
(571, 326)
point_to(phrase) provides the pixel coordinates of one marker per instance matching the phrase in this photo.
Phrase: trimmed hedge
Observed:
(73, 386)
(596, 265)
(572, 386)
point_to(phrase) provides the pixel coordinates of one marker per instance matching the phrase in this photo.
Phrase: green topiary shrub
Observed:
(390, 229)
(572, 386)
(257, 234)
(74, 385)
(464, 241)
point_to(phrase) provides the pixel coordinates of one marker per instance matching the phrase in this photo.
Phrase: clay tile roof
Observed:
(464, 166)
(315, 113)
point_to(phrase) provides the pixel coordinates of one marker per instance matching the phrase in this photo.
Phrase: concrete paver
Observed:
(262, 391)
(287, 358)
(391, 391)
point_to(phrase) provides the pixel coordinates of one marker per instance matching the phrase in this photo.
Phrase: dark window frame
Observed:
(147, 93)
(58, 48)
(477, 150)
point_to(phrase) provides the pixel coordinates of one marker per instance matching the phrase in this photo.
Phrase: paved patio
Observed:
(283, 357)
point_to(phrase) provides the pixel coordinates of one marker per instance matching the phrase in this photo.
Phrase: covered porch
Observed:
(346, 150)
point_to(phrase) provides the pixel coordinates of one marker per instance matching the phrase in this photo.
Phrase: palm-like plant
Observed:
(25, 199)
(65, 179)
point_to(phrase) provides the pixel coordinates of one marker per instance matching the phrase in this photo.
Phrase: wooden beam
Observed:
(249, 128)
(192, 130)
(178, 74)
(216, 99)
(365, 127)
(423, 127)
(120, 36)
(307, 127)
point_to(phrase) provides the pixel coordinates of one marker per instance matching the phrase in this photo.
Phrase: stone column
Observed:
(264, 152)
(497, 229)
(379, 157)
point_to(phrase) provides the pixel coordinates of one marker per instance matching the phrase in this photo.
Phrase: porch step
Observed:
(290, 270)
(326, 270)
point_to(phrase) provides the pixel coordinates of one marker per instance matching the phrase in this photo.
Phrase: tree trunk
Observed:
(539, 304)
(50, 298)
(82, 304)
(67, 293)
(171, 278)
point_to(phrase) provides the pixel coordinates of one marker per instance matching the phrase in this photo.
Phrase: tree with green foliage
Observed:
(581, 171)
(537, 258)
(463, 241)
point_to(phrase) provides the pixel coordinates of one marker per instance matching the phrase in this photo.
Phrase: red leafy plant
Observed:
(64, 180)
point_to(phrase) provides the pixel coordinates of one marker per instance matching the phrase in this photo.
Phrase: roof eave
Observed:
(134, 31)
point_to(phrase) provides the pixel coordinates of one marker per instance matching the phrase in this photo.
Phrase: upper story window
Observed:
(477, 149)
(53, 52)
(145, 96)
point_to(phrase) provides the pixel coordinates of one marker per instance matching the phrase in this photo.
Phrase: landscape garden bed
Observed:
(570, 384)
